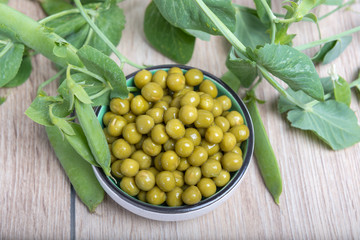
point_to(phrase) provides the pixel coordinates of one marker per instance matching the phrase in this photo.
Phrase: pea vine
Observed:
(78, 36)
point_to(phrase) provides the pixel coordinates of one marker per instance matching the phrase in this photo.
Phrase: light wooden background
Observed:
(321, 196)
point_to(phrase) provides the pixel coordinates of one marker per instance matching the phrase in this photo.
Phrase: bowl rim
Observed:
(204, 203)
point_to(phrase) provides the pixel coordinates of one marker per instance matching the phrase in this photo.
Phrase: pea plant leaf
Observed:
(55, 6)
(65, 25)
(231, 80)
(11, 55)
(342, 91)
(198, 34)
(111, 21)
(331, 50)
(250, 30)
(187, 14)
(92, 87)
(39, 108)
(261, 12)
(104, 66)
(171, 41)
(23, 74)
(333, 122)
(291, 66)
(4, 1)
(244, 69)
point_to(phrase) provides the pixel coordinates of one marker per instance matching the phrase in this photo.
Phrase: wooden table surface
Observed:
(320, 199)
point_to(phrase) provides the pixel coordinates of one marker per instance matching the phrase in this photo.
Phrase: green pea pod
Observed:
(79, 143)
(79, 171)
(264, 153)
(94, 135)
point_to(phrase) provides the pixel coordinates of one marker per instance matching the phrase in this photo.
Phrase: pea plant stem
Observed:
(328, 39)
(121, 57)
(272, 18)
(6, 48)
(58, 74)
(280, 89)
(64, 13)
(336, 9)
(87, 72)
(223, 29)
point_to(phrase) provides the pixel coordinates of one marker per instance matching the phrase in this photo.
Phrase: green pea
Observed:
(264, 154)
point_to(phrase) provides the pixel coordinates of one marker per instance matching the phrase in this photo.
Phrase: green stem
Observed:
(355, 83)
(121, 57)
(89, 36)
(328, 39)
(280, 89)
(6, 48)
(272, 19)
(104, 90)
(87, 72)
(42, 85)
(223, 29)
(33, 35)
(336, 9)
(286, 21)
(64, 13)
(4, 42)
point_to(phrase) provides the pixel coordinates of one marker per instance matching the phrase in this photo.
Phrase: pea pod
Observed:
(264, 153)
(94, 135)
(79, 171)
(79, 143)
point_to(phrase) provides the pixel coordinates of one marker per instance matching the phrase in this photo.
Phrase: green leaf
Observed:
(23, 74)
(63, 125)
(281, 35)
(111, 21)
(244, 69)
(333, 122)
(55, 6)
(250, 30)
(305, 6)
(331, 50)
(75, 89)
(104, 66)
(90, 85)
(171, 41)
(39, 108)
(231, 80)
(198, 34)
(4, 1)
(342, 91)
(261, 12)
(11, 55)
(78, 38)
(186, 14)
(291, 66)
(66, 25)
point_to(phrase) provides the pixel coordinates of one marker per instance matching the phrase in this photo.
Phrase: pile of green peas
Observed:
(177, 141)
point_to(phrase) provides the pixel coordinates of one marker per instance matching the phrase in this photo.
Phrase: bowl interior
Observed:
(246, 146)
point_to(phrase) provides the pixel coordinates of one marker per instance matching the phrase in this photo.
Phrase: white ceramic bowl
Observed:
(163, 212)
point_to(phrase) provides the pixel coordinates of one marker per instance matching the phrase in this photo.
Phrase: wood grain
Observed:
(320, 200)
